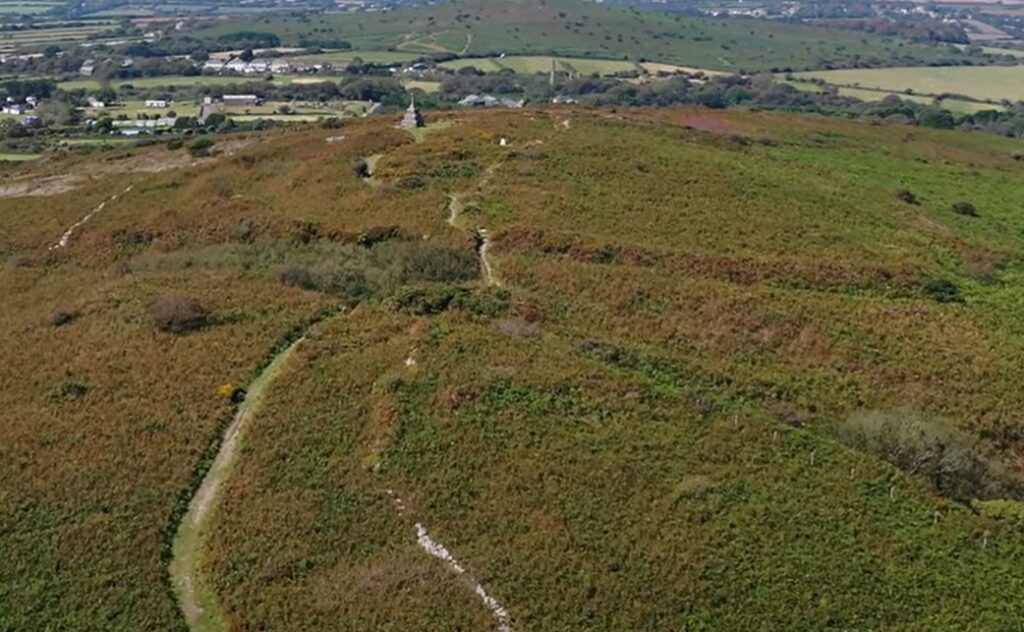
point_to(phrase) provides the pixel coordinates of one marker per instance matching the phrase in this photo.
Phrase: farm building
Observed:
(156, 103)
(242, 100)
(487, 101)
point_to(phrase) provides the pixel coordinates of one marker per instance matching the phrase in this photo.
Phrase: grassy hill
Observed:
(638, 428)
(577, 29)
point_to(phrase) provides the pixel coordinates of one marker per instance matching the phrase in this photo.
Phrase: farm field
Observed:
(347, 56)
(565, 28)
(15, 40)
(173, 81)
(538, 64)
(426, 86)
(11, 157)
(27, 7)
(957, 106)
(988, 82)
(625, 414)
(132, 109)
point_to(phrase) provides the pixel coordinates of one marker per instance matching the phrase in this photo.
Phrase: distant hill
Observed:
(571, 28)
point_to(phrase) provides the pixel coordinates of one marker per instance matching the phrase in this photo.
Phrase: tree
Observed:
(56, 112)
(106, 95)
(185, 122)
(51, 51)
(215, 119)
(247, 55)
(199, 56)
(105, 124)
(934, 117)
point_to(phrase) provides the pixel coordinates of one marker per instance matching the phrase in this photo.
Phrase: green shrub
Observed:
(965, 208)
(297, 277)
(425, 261)
(943, 291)
(201, 147)
(457, 169)
(950, 460)
(486, 303)
(175, 144)
(907, 196)
(62, 316)
(411, 183)
(361, 168)
(178, 315)
(425, 301)
(304, 232)
(378, 234)
(68, 389)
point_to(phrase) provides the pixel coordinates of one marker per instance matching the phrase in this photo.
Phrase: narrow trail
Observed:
(196, 600)
(438, 550)
(65, 239)
(483, 242)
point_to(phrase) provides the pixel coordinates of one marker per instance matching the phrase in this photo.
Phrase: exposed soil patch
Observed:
(41, 187)
(155, 161)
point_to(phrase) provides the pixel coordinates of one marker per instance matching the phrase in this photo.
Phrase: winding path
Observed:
(65, 239)
(197, 601)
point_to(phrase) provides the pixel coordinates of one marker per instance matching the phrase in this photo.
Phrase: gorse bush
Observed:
(424, 261)
(950, 460)
(426, 300)
(69, 389)
(62, 316)
(201, 147)
(965, 208)
(360, 168)
(178, 314)
(943, 291)
(905, 195)
(354, 272)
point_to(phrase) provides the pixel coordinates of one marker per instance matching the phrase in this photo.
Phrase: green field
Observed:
(132, 109)
(19, 7)
(39, 37)
(426, 86)
(10, 157)
(957, 106)
(345, 57)
(177, 81)
(989, 82)
(481, 28)
(537, 64)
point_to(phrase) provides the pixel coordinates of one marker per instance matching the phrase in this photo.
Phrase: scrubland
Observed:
(641, 428)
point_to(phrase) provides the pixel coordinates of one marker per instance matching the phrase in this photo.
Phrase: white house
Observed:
(257, 66)
(156, 103)
(236, 65)
(280, 66)
(96, 103)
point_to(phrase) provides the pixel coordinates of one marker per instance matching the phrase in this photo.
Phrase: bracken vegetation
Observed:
(656, 422)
